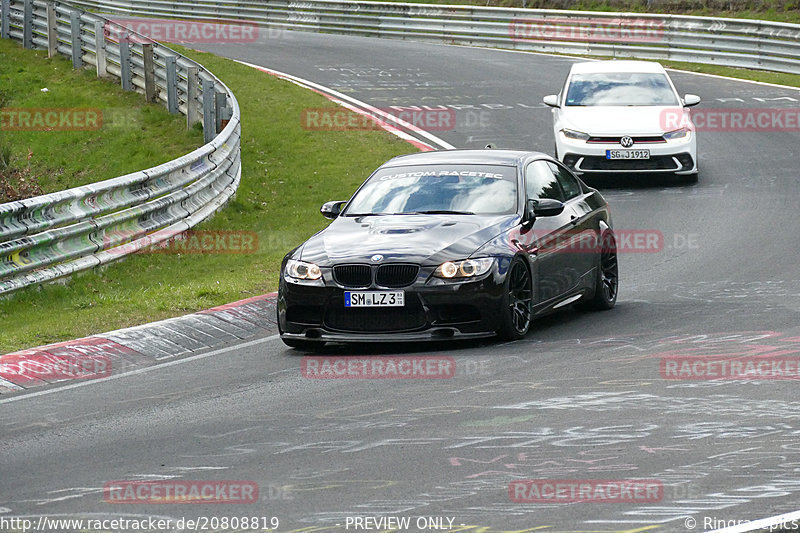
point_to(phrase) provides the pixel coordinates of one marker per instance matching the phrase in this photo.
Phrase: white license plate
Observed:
(627, 154)
(374, 299)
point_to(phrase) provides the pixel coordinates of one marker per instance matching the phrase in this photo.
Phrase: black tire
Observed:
(300, 344)
(517, 302)
(606, 284)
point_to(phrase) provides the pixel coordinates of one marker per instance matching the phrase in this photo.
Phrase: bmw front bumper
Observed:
(434, 310)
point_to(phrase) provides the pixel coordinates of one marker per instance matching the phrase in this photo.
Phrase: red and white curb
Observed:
(122, 350)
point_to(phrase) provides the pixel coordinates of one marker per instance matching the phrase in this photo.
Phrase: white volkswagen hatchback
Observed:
(623, 116)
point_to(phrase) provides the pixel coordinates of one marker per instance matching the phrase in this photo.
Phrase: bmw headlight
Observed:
(673, 135)
(468, 268)
(302, 270)
(576, 135)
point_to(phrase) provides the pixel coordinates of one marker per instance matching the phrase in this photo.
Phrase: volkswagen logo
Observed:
(377, 258)
(626, 141)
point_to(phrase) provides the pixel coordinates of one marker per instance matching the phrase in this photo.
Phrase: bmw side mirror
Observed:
(690, 99)
(551, 100)
(544, 207)
(331, 210)
(547, 207)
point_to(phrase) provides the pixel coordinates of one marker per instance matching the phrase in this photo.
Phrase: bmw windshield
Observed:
(620, 89)
(437, 189)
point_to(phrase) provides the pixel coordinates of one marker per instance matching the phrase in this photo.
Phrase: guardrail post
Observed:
(125, 61)
(171, 62)
(192, 114)
(759, 54)
(27, 24)
(220, 101)
(149, 73)
(5, 13)
(209, 120)
(75, 28)
(100, 48)
(52, 30)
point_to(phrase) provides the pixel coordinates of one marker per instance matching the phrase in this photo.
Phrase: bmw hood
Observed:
(423, 239)
(623, 120)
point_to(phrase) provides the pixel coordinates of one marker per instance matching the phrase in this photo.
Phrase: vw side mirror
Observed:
(551, 100)
(690, 99)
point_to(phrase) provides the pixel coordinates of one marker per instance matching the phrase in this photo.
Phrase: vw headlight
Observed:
(468, 268)
(302, 270)
(682, 133)
(576, 135)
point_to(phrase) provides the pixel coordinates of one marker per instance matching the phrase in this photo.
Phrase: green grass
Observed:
(147, 134)
(778, 78)
(287, 173)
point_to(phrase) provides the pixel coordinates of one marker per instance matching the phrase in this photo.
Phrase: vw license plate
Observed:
(374, 299)
(627, 154)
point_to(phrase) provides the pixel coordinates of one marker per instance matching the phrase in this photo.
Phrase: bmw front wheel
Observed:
(517, 302)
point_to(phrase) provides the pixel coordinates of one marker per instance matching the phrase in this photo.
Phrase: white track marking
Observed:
(373, 110)
(140, 370)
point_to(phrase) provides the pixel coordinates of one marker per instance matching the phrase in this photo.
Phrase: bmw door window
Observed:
(541, 182)
(569, 184)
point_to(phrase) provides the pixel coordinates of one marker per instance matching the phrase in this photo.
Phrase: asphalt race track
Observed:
(585, 396)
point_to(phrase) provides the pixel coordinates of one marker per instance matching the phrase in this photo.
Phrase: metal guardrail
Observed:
(729, 42)
(54, 235)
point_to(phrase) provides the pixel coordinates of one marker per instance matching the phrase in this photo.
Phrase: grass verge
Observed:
(287, 173)
(57, 159)
(778, 78)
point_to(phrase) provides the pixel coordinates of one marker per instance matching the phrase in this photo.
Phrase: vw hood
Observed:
(623, 120)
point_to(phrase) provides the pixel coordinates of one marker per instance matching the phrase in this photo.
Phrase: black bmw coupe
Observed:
(450, 244)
